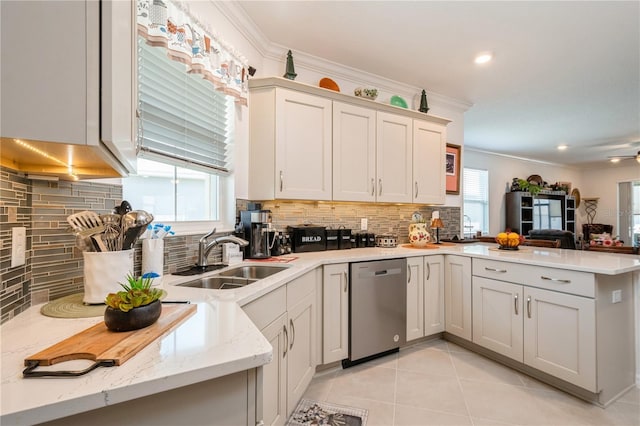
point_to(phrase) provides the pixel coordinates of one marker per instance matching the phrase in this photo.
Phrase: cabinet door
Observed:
(429, 143)
(433, 294)
(48, 84)
(457, 296)
(354, 153)
(335, 313)
(560, 336)
(415, 298)
(274, 374)
(497, 316)
(301, 364)
(303, 146)
(393, 158)
(118, 80)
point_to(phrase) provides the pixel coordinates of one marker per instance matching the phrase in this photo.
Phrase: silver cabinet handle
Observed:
(428, 271)
(373, 187)
(346, 281)
(380, 186)
(515, 303)
(558, 280)
(286, 341)
(409, 272)
(281, 180)
(529, 306)
(416, 196)
(293, 334)
(495, 270)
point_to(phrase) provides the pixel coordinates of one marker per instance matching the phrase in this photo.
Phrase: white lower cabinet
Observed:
(274, 385)
(433, 294)
(457, 295)
(287, 318)
(301, 363)
(415, 298)
(425, 296)
(335, 312)
(560, 336)
(497, 316)
(547, 330)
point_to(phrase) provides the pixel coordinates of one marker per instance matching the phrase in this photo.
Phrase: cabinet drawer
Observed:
(300, 287)
(268, 308)
(562, 280)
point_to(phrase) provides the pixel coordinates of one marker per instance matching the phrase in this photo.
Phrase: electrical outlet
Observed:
(616, 296)
(18, 245)
(364, 224)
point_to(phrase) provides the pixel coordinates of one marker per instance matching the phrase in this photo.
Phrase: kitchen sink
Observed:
(255, 272)
(219, 283)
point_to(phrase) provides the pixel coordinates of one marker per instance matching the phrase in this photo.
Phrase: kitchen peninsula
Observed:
(212, 361)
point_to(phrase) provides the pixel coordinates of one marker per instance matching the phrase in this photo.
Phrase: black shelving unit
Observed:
(520, 211)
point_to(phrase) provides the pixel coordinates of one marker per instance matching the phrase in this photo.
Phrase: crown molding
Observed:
(515, 157)
(277, 53)
(360, 77)
(244, 24)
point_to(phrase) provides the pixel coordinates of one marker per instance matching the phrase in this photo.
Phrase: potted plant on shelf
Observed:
(137, 306)
(532, 188)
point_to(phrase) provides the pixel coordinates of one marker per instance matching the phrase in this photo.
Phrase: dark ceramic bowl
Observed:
(136, 318)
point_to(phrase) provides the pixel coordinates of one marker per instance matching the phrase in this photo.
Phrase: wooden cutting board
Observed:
(106, 347)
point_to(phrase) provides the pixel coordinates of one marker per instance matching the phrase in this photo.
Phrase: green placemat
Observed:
(72, 307)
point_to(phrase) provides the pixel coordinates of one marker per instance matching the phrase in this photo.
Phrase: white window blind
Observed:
(476, 185)
(476, 199)
(184, 120)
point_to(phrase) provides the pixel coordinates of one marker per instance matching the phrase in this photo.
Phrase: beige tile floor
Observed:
(440, 383)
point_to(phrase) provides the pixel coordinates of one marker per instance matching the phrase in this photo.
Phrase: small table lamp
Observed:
(437, 223)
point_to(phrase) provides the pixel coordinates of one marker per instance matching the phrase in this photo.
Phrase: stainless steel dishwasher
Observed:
(377, 309)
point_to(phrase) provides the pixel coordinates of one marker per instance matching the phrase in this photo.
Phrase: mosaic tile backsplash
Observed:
(382, 218)
(54, 266)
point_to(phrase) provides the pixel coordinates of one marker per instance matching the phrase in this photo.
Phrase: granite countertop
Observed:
(218, 340)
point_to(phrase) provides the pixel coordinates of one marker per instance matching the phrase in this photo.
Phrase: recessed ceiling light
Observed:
(562, 147)
(615, 160)
(483, 58)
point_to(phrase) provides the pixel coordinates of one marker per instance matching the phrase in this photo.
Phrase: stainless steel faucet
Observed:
(204, 247)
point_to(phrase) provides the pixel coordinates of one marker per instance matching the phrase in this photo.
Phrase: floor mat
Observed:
(310, 412)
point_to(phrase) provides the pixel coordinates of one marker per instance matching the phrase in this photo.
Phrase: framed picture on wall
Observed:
(453, 168)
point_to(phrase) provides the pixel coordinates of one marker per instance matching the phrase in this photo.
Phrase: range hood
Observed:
(61, 160)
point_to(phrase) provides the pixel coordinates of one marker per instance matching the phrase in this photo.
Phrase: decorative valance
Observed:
(168, 24)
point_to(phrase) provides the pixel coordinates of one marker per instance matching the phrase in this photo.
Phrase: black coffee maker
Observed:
(256, 225)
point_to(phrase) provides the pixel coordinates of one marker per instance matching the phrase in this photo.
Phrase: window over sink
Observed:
(185, 137)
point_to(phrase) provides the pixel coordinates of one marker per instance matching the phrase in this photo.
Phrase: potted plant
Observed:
(137, 306)
(533, 189)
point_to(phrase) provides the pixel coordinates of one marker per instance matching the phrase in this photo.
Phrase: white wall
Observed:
(216, 20)
(603, 183)
(503, 169)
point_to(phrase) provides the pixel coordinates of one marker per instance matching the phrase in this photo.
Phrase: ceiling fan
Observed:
(616, 158)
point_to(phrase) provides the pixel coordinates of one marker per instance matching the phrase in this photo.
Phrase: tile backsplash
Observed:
(382, 218)
(54, 266)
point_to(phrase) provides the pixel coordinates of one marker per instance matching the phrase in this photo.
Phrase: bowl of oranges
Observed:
(509, 240)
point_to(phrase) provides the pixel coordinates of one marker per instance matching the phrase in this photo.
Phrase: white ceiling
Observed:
(564, 72)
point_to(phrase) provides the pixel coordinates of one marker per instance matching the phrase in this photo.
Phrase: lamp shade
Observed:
(437, 223)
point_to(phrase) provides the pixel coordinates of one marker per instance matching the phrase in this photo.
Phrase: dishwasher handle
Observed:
(372, 273)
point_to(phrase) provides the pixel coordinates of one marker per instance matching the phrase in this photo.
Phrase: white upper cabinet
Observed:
(310, 143)
(290, 145)
(70, 80)
(429, 144)
(393, 158)
(354, 153)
